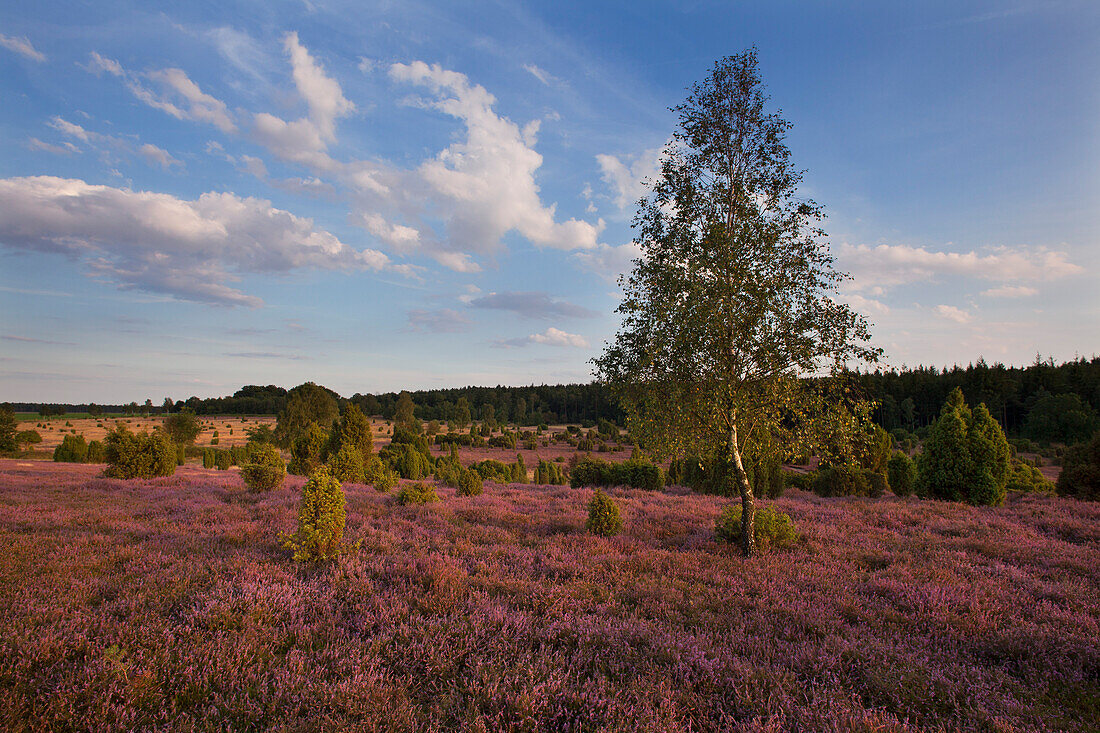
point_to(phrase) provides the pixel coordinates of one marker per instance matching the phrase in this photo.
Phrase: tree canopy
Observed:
(732, 302)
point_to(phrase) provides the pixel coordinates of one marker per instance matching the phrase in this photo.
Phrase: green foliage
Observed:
(549, 473)
(519, 470)
(604, 518)
(181, 455)
(25, 438)
(1028, 479)
(305, 451)
(506, 439)
(209, 458)
(878, 449)
(97, 452)
(306, 404)
(635, 472)
(260, 434)
(773, 528)
(763, 470)
(469, 483)
(353, 428)
(843, 480)
(73, 449)
(265, 469)
(901, 472)
(406, 460)
(346, 464)
(417, 493)
(405, 413)
(965, 456)
(223, 459)
(8, 427)
(491, 470)
(322, 516)
(733, 298)
(461, 419)
(1063, 418)
(182, 427)
(1080, 477)
(140, 455)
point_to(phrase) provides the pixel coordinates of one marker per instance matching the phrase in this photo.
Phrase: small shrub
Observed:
(73, 449)
(1026, 478)
(1080, 477)
(322, 516)
(901, 472)
(549, 473)
(265, 471)
(877, 483)
(417, 493)
(802, 481)
(604, 518)
(140, 455)
(469, 483)
(181, 455)
(346, 464)
(491, 470)
(215, 440)
(209, 458)
(97, 452)
(772, 528)
(223, 459)
(843, 480)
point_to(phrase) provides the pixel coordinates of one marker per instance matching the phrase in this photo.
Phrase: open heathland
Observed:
(171, 604)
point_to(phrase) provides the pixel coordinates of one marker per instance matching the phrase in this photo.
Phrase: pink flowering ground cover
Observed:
(169, 604)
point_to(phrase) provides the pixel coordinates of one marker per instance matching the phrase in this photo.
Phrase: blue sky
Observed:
(199, 196)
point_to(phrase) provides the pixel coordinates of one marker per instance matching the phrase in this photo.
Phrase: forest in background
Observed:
(1043, 401)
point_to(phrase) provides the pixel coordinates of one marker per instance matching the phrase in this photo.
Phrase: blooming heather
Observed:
(169, 604)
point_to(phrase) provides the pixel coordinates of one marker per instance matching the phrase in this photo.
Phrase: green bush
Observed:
(181, 455)
(417, 493)
(140, 455)
(491, 470)
(25, 438)
(209, 458)
(843, 480)
(346, 464)
(549, 473)
(1026, 478)
(965, 457)
(1080, 477)
(306, 449)
(97, 452)
(635, 472)
(73, 449)
(604, 518)
(901, 472)
(878, 483)
(378, 474)
(772, 528)
(469, 483)
(265, 470)
(406, 460)
(321, 519)
(223, 459)
(802, 481)
(710, 476)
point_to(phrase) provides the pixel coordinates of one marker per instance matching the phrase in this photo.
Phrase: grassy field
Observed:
(170, 604)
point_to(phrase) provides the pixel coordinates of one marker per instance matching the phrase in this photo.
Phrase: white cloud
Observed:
(626, 179)
(22, 46)
(158, 155)
(555, 337)
(609, 261)
(550, 337)
(952, 313)
(896, 264)
(323, 95)
(485, 184)
(1010, 291)
(535, 305)
(100, 64)
(159, 243)
(543, 75)
(65, 148)
(865, 305)
(69, 128)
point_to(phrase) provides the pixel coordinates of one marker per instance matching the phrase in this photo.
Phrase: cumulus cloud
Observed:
(896, 264)
(534, 305)
(627, 179)
(866, 305)
(69, 128)
(952, 313)
(484, 185)
(550, 337)
(1010, 291)
(444, 320)
(322, 94)
(22, 46)
(159, 243)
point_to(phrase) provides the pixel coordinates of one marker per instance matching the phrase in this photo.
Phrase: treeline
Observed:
(1043, 401)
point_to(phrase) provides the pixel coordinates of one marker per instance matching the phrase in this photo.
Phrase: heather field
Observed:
(168, 604)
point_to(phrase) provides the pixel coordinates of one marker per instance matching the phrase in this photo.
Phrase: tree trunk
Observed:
(748, 504)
